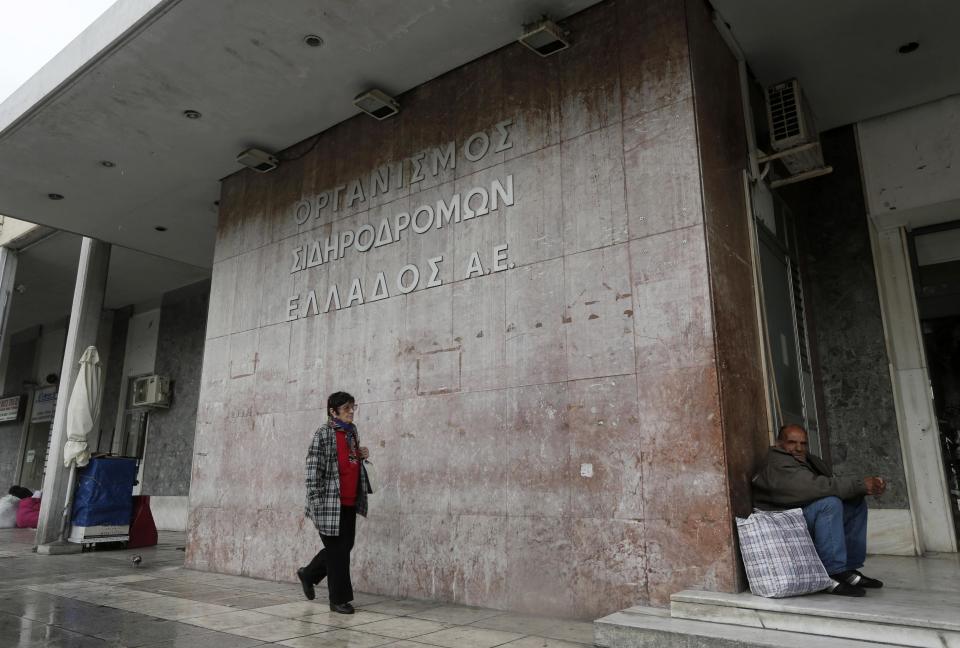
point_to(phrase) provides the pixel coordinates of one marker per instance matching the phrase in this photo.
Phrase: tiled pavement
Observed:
(99, 599)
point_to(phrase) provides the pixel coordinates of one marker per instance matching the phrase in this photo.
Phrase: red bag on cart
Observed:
(143, 530)
(28, 513)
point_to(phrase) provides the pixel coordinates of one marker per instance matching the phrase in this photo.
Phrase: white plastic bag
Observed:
(8, 511)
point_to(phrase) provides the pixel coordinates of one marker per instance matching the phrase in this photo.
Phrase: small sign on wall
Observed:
(10, 408)
(44, 404)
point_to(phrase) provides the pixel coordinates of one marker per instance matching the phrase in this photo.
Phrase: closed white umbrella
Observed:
(82, 409)
(82, 412)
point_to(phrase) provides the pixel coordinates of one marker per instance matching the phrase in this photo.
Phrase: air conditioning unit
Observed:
(793, 132)
(151, 391)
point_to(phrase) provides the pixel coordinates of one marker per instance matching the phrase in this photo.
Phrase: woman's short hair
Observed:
(338, 400)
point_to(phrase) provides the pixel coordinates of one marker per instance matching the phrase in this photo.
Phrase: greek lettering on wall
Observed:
(457, 209)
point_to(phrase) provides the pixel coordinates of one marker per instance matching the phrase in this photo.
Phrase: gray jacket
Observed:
(783, 482)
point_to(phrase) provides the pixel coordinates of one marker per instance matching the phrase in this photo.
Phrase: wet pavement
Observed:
(100, 599)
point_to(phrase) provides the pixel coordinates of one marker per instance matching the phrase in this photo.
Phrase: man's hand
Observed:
(875, 485)
(364, 452)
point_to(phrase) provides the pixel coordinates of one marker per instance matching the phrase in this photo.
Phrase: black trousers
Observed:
(333, 561)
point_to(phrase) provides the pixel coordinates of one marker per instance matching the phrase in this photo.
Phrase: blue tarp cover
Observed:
(104, 493)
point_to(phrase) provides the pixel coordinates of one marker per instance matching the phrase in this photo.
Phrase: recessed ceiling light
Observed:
(192, 114)
(55, 196)
(160, 228)
(313, 40)
(907, 48)
(107, 164)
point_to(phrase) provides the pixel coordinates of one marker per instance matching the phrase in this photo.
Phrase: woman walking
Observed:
(337, 490)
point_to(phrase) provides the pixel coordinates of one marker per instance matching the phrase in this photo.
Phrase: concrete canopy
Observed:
(845, 54)
(118, 93)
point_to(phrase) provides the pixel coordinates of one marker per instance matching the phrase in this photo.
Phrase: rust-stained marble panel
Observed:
(229, 218)
(683, 473)
(606, 475)
(213, 543)
(479, 306)
(270, 390)
(376, 564)
(537, 438)
(672, 315)
(688, 553)
(257, 217)
(594, 198)
(531, 97)
(248, 291)
(536, 335)
(741, 379)
(428, 569)
(454, 439)
(539, 565)
(654, 58)
(590, 73)
(609, 564)
(532, 226)
(660, 166)
(222, 295)
(598, 313)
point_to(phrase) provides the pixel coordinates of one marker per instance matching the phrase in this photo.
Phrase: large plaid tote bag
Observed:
(779, 555)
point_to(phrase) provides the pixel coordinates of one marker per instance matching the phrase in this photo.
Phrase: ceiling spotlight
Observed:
(258, 160)
(160, 228)
(907, 48)
(544, 37)
(377, 104)
(192, 114)
(107, 164)
(55, 196)
(312, 40)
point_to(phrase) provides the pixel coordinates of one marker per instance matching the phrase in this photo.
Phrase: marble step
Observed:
(885, 616)
(655, 628)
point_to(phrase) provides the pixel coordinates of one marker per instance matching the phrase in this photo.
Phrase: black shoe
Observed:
(858, 579)
(308, 589)
(341, 608)
(842, 588)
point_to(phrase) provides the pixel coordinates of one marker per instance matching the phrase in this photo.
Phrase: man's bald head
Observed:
(793, 439)
(782, 434)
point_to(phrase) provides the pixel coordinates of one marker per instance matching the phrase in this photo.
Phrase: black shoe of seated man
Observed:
(842, 588)
(308, 589)
(856, 578)
(341, 608)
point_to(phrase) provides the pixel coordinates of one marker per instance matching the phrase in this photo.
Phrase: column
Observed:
(88, 295)
(8, 274)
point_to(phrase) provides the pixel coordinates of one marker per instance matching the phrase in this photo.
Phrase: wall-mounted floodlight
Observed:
(544, 37)
(258, 160)
(377, 104)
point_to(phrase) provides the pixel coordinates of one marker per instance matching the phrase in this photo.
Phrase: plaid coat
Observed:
(323, 482)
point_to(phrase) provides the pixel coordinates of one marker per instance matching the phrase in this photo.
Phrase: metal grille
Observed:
(784, 113)
(799, 309)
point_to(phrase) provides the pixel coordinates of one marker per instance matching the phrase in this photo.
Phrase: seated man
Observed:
(833, 506)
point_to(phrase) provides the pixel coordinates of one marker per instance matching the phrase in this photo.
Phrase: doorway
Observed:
(36, 445)
(935, 256)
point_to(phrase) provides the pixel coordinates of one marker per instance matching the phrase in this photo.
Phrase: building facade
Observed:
(575, 296)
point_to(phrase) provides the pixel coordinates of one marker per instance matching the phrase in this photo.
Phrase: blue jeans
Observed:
(839, 531)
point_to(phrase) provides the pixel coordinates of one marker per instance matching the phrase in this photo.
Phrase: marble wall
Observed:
(180, 342)
(553, 437)
(861, 422)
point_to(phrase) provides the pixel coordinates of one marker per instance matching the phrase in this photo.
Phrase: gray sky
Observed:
(33, 31)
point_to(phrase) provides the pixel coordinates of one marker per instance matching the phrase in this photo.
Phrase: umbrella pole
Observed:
(71, 482)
